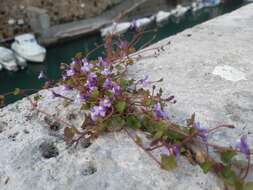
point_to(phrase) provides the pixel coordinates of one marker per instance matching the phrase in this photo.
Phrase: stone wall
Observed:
(13, 13)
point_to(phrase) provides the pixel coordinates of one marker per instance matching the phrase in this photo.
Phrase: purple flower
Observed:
(145, 82)
(96, 112)
(86, 67)
(79, 98)
(108, 84)
(175, 150)
(165, 150)
(202, 132)
(106, 103)
(123, 45)
(70, 72)
(115, 90)
(159, 113)
(106, 72)
(64, 77)
(243, 147)
(41, 75)
(102, 62)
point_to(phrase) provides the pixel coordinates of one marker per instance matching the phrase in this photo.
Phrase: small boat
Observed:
(26, 46)
(21, 62)
(115, 28)
(7, 59)
(142, 22)
(162, 17)
(180, 11)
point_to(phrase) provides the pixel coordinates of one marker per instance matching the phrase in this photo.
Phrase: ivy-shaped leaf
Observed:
(133, 122)
(168, 162)
(227, 156)
(115, 123)
(120, 106)
(206, 166)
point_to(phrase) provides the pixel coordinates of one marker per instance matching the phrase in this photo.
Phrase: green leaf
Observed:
(120, 106)
(133, 122)
(168, 162)
(115, 123)
(124, 83)
(206, 166)
(227, 156)
(228, 175)
(158, 134)
(248, 186)
(16, 92)
(95, 93)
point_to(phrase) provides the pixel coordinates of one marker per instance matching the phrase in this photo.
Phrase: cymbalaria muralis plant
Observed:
(114, 103)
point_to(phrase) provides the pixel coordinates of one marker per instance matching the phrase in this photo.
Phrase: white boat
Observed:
(180, 11)
(7, 59)
(142, 22)
(21, 62)
(115, 28)
(162, 17)
(26, 46)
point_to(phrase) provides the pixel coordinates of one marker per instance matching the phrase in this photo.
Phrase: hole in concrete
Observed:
(89, 170)
(53, 125)
(13, 136)
(85, 143)
(48, 150)
(71, 116)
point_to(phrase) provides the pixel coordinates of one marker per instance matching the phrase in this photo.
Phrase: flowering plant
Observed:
(115, 103)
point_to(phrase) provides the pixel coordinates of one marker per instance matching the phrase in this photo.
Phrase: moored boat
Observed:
(7, 59)
(26, 46)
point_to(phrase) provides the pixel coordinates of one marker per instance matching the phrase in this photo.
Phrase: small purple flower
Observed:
(106, 72)
(79, 98)
(202, 132)
(70, 72)
(41, 75)
(115, 90)
(66, 88)
(175, 150)
(96, 112)
(165, 150)
(102, 62)
(145, 82)
(86, 67)
(123, 45)
(108, 84)
(64, 77)
(92, 77)
(106, 103)
(159, 113)
(243, 147)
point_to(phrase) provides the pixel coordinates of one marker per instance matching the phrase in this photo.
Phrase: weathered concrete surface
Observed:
(209, 69)
(113, 161)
